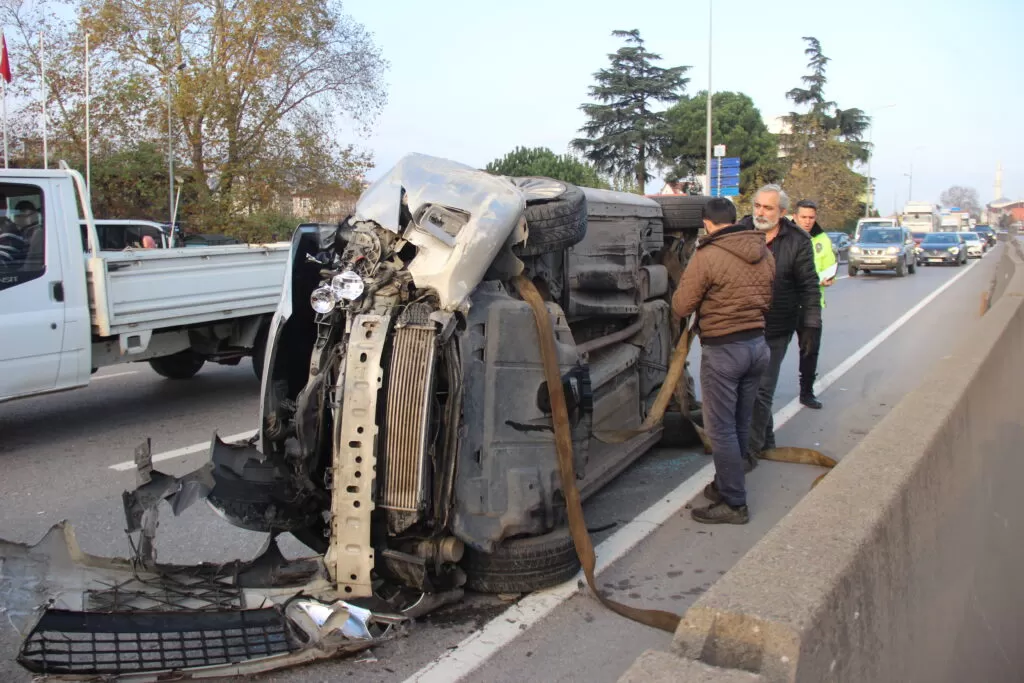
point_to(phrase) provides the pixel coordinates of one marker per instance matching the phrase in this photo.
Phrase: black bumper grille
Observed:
(66, 642)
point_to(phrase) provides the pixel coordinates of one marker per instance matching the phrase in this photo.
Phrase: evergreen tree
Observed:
(624, 134)
(541, 161)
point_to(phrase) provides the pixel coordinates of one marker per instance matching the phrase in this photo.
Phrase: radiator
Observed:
(407, 424)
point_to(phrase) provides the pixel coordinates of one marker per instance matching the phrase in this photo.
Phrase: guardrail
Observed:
(904, 563)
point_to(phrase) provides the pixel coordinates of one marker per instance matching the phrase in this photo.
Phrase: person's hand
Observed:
(809, 338)
(829, 282)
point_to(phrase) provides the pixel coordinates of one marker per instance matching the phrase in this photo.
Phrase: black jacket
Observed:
(796, 294)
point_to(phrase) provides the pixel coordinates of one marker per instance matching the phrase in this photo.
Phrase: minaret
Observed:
(998, 188)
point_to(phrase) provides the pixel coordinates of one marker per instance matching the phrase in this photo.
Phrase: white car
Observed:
(976, 246)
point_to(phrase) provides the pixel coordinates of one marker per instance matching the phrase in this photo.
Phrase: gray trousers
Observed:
(729, 378)
(762, 428)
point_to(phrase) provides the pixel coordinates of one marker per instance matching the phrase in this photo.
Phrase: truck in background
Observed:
(876, 222)
(65, 313)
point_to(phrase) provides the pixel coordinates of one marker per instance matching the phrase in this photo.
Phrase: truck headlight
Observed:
(892, 250)
(323, 300)
(854, 250)
(347, 286)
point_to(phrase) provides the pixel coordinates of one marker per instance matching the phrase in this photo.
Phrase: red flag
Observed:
(5, 62)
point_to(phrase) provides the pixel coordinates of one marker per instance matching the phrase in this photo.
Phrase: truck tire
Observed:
(901, 268)
(682, 212)
(556, 215)
(522, 565)
(182, 365)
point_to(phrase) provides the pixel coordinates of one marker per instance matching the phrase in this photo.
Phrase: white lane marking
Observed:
(479, 647)
(178, 452)
(114, 374)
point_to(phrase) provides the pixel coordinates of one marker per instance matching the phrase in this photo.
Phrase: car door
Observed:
(31, 294)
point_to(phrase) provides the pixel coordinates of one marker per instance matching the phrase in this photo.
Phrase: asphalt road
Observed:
(59, 455)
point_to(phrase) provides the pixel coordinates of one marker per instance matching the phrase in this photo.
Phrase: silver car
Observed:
(883, 248)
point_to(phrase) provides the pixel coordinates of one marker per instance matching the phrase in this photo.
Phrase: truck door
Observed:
(31, 293)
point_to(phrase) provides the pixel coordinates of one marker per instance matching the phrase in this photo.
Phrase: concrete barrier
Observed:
(905, 562)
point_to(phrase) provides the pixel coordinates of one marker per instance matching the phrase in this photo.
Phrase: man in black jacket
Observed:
(796, 300)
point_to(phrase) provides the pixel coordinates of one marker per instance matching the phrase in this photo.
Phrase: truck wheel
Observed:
(556, 215)
(682, 212)
(851, 271)
(522, 565)
(182, 365)
(901, 268)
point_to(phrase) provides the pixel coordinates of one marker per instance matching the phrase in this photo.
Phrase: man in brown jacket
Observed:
(728, 283)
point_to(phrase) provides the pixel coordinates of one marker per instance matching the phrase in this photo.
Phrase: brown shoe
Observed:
(721, 513)
(711, 492)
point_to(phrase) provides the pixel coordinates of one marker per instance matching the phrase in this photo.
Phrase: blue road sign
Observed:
(726, 162)
(725, 191)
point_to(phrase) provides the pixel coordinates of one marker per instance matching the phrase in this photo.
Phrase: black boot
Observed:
(810, 400)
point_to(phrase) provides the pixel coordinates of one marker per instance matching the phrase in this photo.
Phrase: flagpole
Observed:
(88, 156)
(3, 84)
(42, 69)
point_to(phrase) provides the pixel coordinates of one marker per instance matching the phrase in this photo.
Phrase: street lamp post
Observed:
(869, 199)
(170, 149)
(707, 151)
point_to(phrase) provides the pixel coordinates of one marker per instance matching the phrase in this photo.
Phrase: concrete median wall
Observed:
(906, 563)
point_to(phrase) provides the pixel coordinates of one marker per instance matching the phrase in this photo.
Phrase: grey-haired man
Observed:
(796, 300)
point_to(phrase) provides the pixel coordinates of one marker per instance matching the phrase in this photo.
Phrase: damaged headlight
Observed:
(323, 300)
(347, 286)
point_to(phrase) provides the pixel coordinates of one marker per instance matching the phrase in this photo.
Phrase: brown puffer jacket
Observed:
(728, 281)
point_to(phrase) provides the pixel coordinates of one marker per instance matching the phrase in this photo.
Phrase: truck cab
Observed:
(45, 323)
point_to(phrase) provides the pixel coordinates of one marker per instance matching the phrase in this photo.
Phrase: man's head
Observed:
(25, 214)
(806, 214)
(770, 203)
(719, 213)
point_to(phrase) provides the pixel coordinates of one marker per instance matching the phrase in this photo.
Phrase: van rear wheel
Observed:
(182, 365)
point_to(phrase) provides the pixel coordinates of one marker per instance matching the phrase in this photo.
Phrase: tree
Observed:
(624, 135)
(736, 123)
(541, 161)
(821, 146)
(848, 125)
(964, 198)
(820, 170)
(263, 91)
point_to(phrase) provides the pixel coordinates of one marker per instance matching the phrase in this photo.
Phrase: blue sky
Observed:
(471, 80)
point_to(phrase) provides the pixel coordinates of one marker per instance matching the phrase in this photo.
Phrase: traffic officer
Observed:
(827, 267)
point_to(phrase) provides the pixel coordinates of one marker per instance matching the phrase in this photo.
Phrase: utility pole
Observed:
(170, 149)
(707, 152)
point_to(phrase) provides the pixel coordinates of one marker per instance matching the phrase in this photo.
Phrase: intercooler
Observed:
(409, 399)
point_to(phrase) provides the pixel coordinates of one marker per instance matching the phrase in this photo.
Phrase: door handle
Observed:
(57, 291)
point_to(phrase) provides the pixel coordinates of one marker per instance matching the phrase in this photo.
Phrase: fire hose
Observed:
(666, 621)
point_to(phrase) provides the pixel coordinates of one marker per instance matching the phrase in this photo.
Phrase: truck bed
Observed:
(165, 288)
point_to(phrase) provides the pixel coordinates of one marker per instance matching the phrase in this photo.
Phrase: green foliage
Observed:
(820, 170)
(256, 108)
(848, 125)
(131, 183)
(736, 123)
(541, 161)
(821, 146)
(624, 134)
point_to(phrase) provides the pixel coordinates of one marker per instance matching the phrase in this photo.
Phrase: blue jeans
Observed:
(730, 375)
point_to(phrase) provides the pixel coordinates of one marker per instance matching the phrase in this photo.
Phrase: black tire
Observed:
(523, 565)
(182, 365)
(556, 215)
(682, 212)
(851, 271)
(901, 268)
